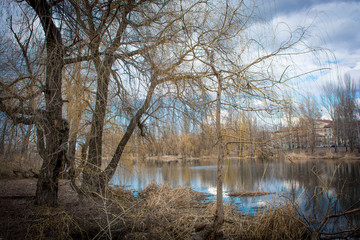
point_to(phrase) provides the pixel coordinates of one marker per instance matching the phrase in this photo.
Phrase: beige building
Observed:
(324, 130)
(302, 137)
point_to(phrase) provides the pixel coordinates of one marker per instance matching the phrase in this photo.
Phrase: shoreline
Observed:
(291, 155)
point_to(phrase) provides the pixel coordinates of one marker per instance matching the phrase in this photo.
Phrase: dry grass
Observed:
(160, 212)
(53, 223)
(175, 213)
(275, 222)
(169, 213)
(352, 156)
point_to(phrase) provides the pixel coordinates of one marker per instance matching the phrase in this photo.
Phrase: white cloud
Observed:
(334, 26)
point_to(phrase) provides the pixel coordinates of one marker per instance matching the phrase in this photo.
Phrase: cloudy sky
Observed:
(335, 25)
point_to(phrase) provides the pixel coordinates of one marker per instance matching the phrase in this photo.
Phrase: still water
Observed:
(311, 184)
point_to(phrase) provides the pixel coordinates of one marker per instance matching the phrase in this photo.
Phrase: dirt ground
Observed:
(16, 197)
(89, 217)
(18, 212)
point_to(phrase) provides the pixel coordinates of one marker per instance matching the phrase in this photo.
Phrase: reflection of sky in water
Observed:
(295, 182)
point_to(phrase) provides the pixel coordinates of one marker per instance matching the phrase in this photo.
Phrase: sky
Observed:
(335, 26)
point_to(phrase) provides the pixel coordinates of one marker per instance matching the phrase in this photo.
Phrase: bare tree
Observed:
(145, 50)
(346, 110)
(234, 76)
(340, 102)
(119, 35)
(328, 100)
(51, 127)
(309, 115)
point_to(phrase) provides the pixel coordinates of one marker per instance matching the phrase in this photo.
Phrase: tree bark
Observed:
(111, 168)
(99, 179)
(219, 216)
(2, 140)
(53, 130)
(93, 179)
(93, 165)
(47, 186)
(26, 140)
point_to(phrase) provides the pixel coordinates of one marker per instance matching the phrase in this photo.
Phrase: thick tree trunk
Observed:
(47, 185)
(52, 130)
(53, 156)
(93, 178)
(92, 167)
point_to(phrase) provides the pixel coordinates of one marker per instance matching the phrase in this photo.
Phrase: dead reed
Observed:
(53, 223)
(162, 212)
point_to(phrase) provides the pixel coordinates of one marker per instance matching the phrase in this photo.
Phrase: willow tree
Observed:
(128, 43)
(38, 48)
(27, 81)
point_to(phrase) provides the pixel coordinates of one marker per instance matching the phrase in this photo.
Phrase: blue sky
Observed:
(335, 25)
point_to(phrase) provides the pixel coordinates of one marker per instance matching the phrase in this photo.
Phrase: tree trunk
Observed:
(92, 167)
(92, 176)
(9, 148)
(2, 140)
(47, 186)
(105, 176)
(26, 140)
(52, 129)
(219, 216)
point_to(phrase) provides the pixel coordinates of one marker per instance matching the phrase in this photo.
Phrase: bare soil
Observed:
(20, 218)
(114, 216)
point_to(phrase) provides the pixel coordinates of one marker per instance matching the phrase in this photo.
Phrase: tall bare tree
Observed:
(238, 76)
(309, 115)
(328, 100)
(346, 112)
(340, 102)
(51, 128)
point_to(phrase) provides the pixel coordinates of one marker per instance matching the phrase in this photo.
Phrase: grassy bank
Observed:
(159, 212)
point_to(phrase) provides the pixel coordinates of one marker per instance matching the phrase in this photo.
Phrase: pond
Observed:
(311, 184)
